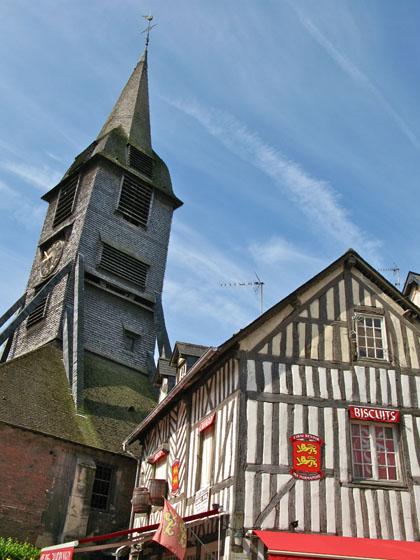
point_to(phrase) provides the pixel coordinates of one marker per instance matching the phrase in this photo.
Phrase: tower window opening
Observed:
(65, 202)
(40, 311)
(124, 266)
(135, 199)
(139, 161)
(130, 340)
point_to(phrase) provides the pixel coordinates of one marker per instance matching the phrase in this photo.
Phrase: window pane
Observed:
(367, 471)
(382, 472)
(381, 459)
(392, 473)
(364, 430)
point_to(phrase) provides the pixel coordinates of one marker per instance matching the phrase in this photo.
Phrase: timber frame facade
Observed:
(338, 359)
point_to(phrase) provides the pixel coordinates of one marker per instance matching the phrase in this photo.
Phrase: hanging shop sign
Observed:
(206, 423)
(202, 500)
(58, 552)
(374, 414)
(158, 455)
(306, 457)
(175, 477)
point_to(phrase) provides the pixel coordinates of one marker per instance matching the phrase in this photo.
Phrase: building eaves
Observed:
(165, 369)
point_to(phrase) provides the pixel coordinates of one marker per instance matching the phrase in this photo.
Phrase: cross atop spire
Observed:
(149, 27)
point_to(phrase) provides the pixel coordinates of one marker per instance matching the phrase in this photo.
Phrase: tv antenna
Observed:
(396, 272)
(258, 287)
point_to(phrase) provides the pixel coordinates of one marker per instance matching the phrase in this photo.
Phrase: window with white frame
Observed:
(370, 335)
(161, 468)
(205, 458)
(375, 452)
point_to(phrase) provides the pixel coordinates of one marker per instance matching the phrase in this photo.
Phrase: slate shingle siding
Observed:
(95, 221)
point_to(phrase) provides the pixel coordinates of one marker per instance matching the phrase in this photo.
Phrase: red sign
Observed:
(374, 414)
(206, 423)
(175, 477)
(158, 455)
(57, 553)
(306, 457)
(172, 532)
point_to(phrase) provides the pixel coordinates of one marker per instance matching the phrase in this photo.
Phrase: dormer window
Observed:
(139, 161)
(182, 369)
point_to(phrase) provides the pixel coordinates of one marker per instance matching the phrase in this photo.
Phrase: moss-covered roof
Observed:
(116, 399)
(35, 393)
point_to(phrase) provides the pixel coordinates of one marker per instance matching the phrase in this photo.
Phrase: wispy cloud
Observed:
(280, 251)
(24, 212)
(54, 157)
(43, 177)
(196, 269)
(315, 197)
(355, 73)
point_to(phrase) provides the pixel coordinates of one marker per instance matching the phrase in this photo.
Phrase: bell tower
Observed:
(98, 272)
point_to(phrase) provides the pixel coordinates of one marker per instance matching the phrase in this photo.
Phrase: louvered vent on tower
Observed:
(65, 200)
(140, 161)
(124, 266)
(135, 199)
(38, 313)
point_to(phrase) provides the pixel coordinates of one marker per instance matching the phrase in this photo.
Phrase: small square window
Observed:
(130, 341)
(370, 336)
(375, 452)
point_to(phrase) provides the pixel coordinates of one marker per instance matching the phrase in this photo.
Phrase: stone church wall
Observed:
(45, 467)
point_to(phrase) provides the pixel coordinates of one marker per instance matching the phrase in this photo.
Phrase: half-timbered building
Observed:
(303, 428)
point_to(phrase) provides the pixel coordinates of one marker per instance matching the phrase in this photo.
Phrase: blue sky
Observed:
(291, 130)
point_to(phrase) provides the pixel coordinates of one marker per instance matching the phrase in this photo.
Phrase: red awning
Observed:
(285, 546)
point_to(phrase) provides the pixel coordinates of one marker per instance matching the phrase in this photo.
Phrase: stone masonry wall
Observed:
(35, 509)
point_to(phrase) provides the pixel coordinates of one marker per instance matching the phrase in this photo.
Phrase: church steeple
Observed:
(131, 111)
(101, 258)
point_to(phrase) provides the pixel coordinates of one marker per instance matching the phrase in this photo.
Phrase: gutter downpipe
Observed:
(136, 479)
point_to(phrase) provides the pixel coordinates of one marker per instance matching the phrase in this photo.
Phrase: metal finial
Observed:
(149, 27)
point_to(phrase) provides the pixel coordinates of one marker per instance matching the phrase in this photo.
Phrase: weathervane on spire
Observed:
(149, 27)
